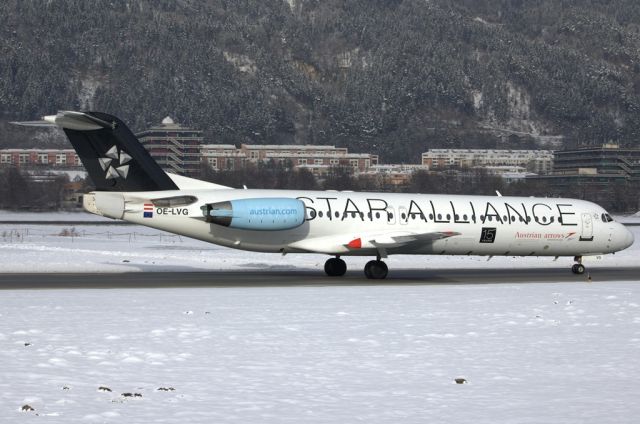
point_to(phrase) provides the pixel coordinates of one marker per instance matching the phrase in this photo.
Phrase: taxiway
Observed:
(310, 278)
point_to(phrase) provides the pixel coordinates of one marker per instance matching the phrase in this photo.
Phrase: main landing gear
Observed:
(578, 268)
(375, 270)
(335, 267)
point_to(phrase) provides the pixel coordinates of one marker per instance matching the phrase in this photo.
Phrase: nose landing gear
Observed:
(335, 267)
(578, 268)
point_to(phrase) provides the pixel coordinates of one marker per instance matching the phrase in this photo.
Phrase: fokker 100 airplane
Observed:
(131, 186)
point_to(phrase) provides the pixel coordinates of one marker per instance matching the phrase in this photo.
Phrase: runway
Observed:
(272, 278)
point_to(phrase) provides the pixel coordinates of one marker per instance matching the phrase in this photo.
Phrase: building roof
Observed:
(290, 147)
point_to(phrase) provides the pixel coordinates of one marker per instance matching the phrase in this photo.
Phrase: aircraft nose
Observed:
(629, 238)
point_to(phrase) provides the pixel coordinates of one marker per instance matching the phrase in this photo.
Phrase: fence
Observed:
(19, 235)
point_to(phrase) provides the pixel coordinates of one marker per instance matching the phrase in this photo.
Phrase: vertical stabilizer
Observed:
(112, 155)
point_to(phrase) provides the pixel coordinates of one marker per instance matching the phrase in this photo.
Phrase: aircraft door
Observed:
(402, 215)
(587, 227)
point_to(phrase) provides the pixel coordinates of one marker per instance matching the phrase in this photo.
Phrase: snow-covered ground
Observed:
(51, 216)
(530, 353)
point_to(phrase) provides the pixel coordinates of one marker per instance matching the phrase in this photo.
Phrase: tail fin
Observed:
(112, 155)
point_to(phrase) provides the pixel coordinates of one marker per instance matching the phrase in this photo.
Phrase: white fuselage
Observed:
(440, 224)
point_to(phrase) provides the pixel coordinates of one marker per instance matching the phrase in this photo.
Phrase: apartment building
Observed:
(535, 161)
(32, 158)
(174, 147)
(318, 159)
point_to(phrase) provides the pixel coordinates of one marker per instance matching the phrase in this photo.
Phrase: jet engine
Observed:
(263, 214)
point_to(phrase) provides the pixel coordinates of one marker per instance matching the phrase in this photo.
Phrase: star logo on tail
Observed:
(115, 164)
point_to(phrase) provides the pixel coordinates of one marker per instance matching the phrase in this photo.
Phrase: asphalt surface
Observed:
(310, 278)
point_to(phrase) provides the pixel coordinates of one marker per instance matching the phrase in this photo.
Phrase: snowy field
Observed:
(96, 247)
(530, 353)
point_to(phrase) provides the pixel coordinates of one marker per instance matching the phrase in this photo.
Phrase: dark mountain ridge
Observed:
(390, 77)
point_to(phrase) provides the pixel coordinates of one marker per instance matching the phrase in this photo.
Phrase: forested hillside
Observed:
(388, 76)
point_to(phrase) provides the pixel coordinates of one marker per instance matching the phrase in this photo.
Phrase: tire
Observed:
(578, 269)
(376, 270)
(340, 267)
(367, 269)
(335, 267)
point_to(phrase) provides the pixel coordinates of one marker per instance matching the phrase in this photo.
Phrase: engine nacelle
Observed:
(263, 214)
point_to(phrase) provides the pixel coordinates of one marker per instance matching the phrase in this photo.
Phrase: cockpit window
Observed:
(606, 217)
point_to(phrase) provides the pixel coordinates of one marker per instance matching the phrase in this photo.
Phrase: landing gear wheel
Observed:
(335, 267)
(578, 269)
(376, 270)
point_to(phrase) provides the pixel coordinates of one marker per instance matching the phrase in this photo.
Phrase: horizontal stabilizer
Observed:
(40, 124)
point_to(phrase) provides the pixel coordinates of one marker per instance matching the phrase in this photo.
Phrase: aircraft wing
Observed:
(375, 241)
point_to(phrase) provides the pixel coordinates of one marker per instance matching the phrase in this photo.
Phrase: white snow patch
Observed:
(241, 62)
(400, 366)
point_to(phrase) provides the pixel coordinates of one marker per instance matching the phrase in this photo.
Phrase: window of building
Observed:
(213, 162)
(318, 161)
(23, 158)
(43, 158)
(61, 159)
(5, 158)
(302, 161)
(253, 154)
(334, 162)
(354, 162)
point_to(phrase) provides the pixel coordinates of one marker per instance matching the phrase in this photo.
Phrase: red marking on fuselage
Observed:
(355, 244)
